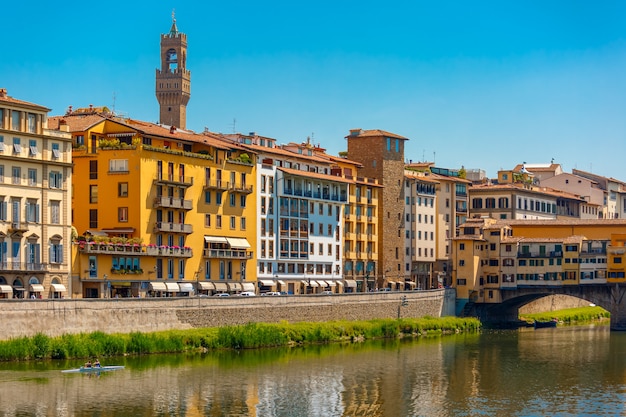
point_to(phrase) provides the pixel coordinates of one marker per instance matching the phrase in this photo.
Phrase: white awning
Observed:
(322, 283)
(331, 283)
(281, 282)
(220, 286)
(36, 288)
(185, 287)
(238, 243)
(248, 286)
(58, 287)
(267, 282)
(215, 239)
(172, 287)
(157, 286)
(207, 286)
(234, 286)
(339, 283)
(6, 289)
(350, 283)
(313, 283)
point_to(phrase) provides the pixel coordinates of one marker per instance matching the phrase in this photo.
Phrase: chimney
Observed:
(355, 132)
(172, 129)
(3, 93)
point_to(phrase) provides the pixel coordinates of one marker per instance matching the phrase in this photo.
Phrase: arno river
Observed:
(567, 371)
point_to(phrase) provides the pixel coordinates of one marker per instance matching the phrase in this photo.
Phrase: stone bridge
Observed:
(608, 296)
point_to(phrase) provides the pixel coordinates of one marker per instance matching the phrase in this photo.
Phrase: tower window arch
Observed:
(171, 59)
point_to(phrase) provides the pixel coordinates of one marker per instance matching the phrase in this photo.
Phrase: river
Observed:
(566, 371)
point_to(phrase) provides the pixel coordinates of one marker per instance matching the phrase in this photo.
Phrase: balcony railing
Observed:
(227, 253)
(552, 254)
(240, 188)
(173, 202)
(173, 227)
(214, 184)
(177, 180)
(12, 266)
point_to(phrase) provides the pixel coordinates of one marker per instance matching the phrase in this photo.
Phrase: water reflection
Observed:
(564, 371)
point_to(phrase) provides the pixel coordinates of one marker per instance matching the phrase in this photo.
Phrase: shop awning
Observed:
(206, 286)
(185, 287)
(331, 283)
(322, 283)
(339, 283)
(313, 283)
(215, 239)
(248, 286)
(6, 289)
(220, 286)
(350, 283)
(172, 287)
(267, 282)
(234, 286)
(157, 286)
(58, 287)
(238, 243)
(36, 288)
(281, 282)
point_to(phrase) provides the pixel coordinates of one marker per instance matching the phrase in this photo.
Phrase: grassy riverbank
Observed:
(569, 315)
(249, 336)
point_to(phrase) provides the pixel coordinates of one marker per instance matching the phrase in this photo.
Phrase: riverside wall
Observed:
(55, 317)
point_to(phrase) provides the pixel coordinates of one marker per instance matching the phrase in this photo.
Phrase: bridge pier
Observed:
(617, 308)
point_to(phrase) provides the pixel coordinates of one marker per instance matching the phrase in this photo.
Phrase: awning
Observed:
(36, 288)
(6, 289)
(215, 239)
(58, 287)
(331, 283)
(267, 282)
(206, 286)
(281, 282)
(313, 283)
(157, 286)
(339, 283)
(248, 286)
(234, 286)
(411, 283)
(322, 283)
(185, 287)
(96, 232)
(238, 243)
(172, 287)
(220, 286)
(350, 283)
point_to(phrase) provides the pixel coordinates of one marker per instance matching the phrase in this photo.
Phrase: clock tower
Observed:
(173, 80)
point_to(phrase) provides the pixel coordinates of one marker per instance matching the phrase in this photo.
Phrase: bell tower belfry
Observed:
(173, 80)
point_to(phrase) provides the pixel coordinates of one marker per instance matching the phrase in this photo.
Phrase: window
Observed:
(32, 146)
(93, 194)
(56, 251)
(31, 120)
(122, 189)
(122, 214)
(218, 198)
(207, 220)
(15, 120)
(32, 211)
(17, 175)
(242, 201)
(55, 212)
(461, 281)
(243, 223)
(233, 222)
(218, 221)
(56, 154)
(32, 177)
(93, 219)
(56, 180)
(118, 165)
(233, 200)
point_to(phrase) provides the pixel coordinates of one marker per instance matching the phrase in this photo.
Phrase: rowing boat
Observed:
(82, 369)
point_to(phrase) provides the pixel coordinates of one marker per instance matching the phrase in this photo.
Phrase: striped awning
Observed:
(172, 287)
(238, 243)
(220, 286)
(215, 239)
(267, 282)
(248, 286)
(234, 286)
(206, 286)
(157, 286)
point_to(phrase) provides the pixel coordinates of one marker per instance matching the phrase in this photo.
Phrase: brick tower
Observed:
(173, 80)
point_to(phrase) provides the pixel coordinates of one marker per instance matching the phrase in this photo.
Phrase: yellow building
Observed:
(159, 210)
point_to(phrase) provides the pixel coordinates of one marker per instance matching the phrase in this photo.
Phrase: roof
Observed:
(315, 175)
(521, 187)
(4, 97)
(359, 133)
(547, 167)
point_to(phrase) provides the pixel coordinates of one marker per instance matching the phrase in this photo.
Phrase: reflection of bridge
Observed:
(608, 296)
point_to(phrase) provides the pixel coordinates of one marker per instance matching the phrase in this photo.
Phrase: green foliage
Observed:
(248, 336)
(569, 315)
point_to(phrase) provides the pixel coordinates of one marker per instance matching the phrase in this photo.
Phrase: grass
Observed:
(569, 315)
(248, 336)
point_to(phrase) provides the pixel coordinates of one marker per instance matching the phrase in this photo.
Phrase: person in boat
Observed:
(88, 364)
(96, 364)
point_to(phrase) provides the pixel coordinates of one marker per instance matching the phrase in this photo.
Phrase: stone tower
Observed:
(173, 80)
(382, 156)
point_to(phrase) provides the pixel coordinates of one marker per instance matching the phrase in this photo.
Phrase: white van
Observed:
(247, 294)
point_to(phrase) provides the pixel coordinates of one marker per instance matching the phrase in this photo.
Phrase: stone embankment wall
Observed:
(56, 317)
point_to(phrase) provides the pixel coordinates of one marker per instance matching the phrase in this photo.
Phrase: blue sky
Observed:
(484, 85)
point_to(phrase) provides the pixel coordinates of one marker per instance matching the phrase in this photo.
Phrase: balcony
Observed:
(173, 227)
(216, 185)
(172, 202)
(18, 227)
(227, 254)
(174, 180)
(239, 188)
(17, 266)
(172, 251)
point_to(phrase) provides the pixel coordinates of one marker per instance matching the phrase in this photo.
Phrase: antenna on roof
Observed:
(113, 109)
(234, 125)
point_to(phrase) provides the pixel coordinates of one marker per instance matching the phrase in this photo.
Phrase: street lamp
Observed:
(197, 273)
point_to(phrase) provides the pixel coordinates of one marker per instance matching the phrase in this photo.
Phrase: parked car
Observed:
(247, 294)
(326, 293)
(271, 293)
(222, 294)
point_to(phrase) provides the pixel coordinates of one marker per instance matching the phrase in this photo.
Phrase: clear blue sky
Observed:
(484, 85)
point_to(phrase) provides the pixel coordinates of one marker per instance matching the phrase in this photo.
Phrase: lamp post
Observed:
(198, 281)
(108, 285)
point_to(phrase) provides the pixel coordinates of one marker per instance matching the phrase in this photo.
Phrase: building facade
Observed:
(35, 190)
